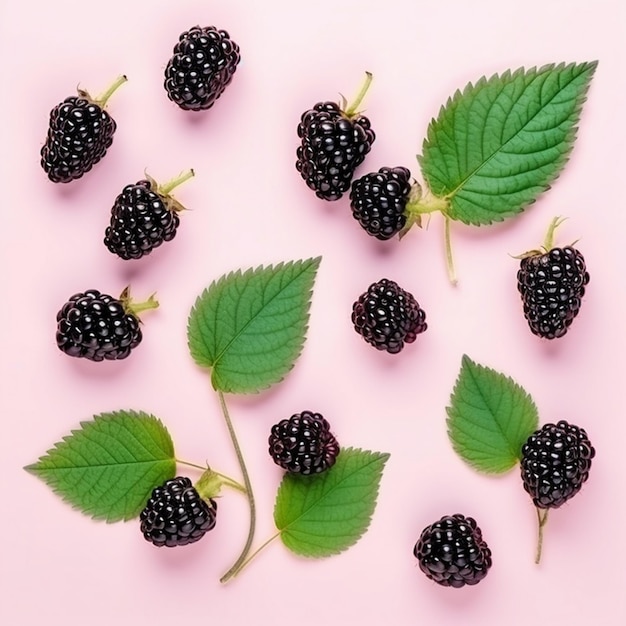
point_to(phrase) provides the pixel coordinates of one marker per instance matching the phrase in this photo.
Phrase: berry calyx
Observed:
(79, 134)
(388, 317)
(97, 327)
(143, 217)
(452, 552)
(177, 515)
(303, 444)
(334, 140)
(551, 282)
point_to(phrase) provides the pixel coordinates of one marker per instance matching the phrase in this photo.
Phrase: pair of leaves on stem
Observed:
(248, 328)
(108, 468)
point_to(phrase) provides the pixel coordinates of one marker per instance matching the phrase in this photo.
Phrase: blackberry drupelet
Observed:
(552, 284)
(176, 515)
(555, 463)
(388, 317)
(143, 217)
(333, 143)
(96, 326)
(452, 552)
(79, 134)
(378, 201)
(203, 64)
(303, 444)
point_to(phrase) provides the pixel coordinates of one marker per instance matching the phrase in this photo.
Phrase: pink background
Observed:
(250, 207)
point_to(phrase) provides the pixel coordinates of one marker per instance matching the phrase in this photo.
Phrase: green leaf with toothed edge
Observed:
(326, 513)
(109, 466)
(489, 418)
(249, 327)
(501, 142)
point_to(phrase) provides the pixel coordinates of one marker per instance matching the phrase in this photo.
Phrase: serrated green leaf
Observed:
(250, 327)
(489, 418)
(500, 143)
(324, 514)
(108, 468)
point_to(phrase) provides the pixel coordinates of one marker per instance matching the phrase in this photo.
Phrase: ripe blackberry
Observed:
(176, 515)
(387, 316)
(379, 200)
(333, 143)
(203, 64)
(79, 134)
(555, 463)
(143, 217)
(96, 326)
(452, 552)
(552, 284)
(303, 444)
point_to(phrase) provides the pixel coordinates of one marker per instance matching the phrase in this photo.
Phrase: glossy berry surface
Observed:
(556, 460)
(140, 221)
(332, 146)
(378, 201)
(552, 286)
(96, 326)
(203, 64)
(303, 444)
(176, 515)
(79, 134)
(388, 317)
(452, 552)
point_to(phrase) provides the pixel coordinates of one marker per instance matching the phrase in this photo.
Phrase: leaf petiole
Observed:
(249, 558)
(248, 490)
(449, 257)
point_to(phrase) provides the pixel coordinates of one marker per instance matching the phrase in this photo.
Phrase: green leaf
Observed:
(326, 513)
(489, 418)
(249, 328)
(109, 466)
(501, 142)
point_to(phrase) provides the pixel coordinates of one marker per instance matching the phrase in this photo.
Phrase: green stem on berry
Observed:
(449, 257)
(167, 188)
(542, 518)
(353, 108)
(427, 203)
(248, 486)
(251, 556)
(136, 308)
(102, 99)
(548, 242)
(223, 479)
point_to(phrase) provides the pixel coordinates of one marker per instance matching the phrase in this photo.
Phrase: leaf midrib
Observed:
(316, 503)
(254, 317)
(34, 468)
(502, 146)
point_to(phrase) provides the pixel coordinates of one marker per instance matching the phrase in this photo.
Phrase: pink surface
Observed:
(250, 207)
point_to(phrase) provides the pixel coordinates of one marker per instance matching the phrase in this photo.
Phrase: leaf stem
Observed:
(356, 103)
(188, 464)
(248, 486)
(223, 479)
(449, 257)
(542, 518)
(251, 556)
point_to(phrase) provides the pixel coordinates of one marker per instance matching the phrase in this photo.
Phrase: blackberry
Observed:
(333, 143)
(79, 134)
(176, 515)
(203, 64)
(452, 552)
(555, 463)
(143, 217)
(96, 326)
(387, 316)
(379, 200)
(303, 444)
(552, 284)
